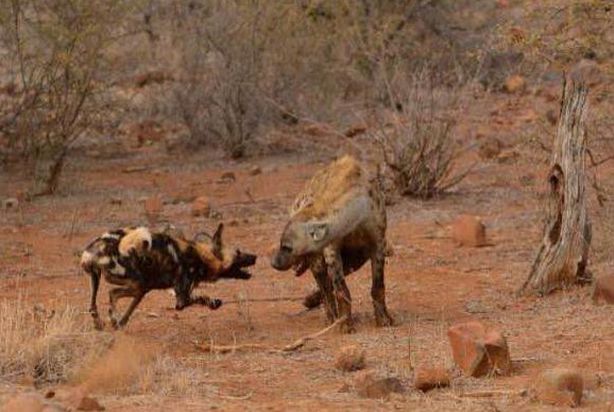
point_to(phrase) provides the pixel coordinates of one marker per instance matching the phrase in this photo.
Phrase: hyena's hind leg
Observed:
(378, 290)
(95, 284)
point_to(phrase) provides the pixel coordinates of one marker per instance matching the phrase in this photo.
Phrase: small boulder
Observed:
(368, 385)
(201, 207)
(560, 386)
(10, 203)
(469, 231)
(603, 290)
(514, 84)
(350, 358)
(427, 378)
(254, 170)
(489, 148)
(228, 177)
(153, 209)
(479, 351)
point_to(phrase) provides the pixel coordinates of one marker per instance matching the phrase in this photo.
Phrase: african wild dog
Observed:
(138, 260)
(338, 223)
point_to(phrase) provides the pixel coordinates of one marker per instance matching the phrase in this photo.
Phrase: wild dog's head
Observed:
(228, 262)
(299, 239)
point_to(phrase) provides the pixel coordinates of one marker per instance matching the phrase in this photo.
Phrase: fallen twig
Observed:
(297, 344)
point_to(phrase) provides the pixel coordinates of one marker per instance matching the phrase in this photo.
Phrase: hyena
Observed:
(138, 260)
(337, 223)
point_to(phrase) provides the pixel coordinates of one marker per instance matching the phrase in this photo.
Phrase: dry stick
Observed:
(279, 299)
(297, 344)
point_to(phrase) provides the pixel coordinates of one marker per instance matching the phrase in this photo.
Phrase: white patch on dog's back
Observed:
(86, 258)
(110, 236)
(138, 240)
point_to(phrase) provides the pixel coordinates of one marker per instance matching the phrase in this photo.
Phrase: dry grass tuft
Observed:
(46, 346)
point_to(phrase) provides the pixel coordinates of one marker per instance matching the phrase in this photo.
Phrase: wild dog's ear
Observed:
(216, 240)
(317, 231)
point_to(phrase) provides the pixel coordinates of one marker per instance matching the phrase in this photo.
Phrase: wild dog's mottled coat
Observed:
(138, 260)
(337, 223)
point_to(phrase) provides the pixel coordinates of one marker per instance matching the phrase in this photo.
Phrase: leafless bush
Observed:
(416, 139)
(220, 60)
(56, 61)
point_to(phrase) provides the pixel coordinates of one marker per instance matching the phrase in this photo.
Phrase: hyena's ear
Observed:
(317, 231)
(216, 240)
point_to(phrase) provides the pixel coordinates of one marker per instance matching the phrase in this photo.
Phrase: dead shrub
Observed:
(416, 140)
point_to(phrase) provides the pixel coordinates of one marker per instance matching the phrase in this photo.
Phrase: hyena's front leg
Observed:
(378, 290)
(334, 264)
(325, 291)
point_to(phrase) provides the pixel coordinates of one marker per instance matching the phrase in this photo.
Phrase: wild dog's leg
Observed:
(95, 283)
(114, 295)
(378, 291)
(332, 257)
(138, 296)
(325, 291)
(183, 295)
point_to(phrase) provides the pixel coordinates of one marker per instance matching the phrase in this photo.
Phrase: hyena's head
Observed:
(299, 239)
(230, 262)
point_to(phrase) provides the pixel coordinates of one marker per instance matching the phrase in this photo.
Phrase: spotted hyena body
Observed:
(337, 224)
(137, 260)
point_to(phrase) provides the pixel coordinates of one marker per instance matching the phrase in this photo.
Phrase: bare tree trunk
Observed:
(563, 255)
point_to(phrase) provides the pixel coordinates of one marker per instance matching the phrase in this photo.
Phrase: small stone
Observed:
(368, 385)
(560, 387)
(552, 116)
(514, 84)
(489, 148)
(469, 231)
(228, 177)
(427, 378)
(153, 209)
(10, 203)
(255, 170)
(201, 207)
(479, 351)
(351, 358)
(603, 289)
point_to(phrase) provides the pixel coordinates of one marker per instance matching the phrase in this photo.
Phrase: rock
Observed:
(560, 386)
(479, 351)
(508, 156)
(489, 148)
(514, 84)
(227, 177)
(368, 385)
(10, 203)
(115, 201)
(469, 231)
(588, 71)
(350, 358)
(355, 130)
(427, 378)
(153, 209)
(201, 207)
(603, 290)
(254, 170)
(552, 116)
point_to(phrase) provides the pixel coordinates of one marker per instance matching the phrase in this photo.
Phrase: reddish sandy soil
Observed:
(431, 282)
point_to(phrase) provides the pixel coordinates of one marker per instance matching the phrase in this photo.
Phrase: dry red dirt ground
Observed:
(431, 283)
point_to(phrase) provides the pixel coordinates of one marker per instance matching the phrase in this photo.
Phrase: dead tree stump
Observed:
(562, 258)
